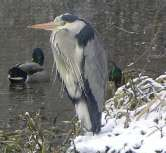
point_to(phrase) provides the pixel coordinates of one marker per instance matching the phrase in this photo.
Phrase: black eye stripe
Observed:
(69, 18)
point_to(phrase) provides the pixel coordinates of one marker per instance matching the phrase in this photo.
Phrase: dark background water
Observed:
(131, 31)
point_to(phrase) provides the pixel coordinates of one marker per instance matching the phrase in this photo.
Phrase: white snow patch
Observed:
(146, 134)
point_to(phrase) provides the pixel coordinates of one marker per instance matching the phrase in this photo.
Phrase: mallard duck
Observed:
(29, 72)
(115, 75)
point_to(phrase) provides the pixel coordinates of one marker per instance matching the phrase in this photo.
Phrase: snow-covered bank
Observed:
(134, 120)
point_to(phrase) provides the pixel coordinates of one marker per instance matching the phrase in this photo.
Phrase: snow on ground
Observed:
(131, 130)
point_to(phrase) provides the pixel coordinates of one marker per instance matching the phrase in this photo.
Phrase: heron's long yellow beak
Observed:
(45, 26)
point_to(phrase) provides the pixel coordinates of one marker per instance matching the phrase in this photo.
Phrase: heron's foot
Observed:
(96, 130)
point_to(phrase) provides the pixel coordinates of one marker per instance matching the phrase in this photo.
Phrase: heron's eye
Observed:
(58, 19)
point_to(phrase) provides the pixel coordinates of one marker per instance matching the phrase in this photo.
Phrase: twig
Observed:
(124, 30)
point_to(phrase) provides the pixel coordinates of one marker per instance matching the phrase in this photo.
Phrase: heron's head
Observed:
(82, 30)
(60, 22)
(38, 56)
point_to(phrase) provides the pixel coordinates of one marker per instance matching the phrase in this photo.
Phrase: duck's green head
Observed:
(115, 75)
(38, 56)
(115, 72)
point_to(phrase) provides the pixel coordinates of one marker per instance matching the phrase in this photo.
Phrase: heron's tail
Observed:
(89, 116)
(88, 110)
(93, 107)
(95, 116)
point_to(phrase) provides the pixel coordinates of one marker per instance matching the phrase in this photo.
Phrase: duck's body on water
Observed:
(30, 71)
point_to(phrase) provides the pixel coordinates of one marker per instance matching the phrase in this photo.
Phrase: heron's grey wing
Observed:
(83, 70)
(95, 70)
(31, 68)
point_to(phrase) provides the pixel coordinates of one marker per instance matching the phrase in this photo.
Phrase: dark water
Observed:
(43, 97)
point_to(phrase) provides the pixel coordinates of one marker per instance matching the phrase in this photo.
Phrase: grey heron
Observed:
(29, 71)
(81, 63)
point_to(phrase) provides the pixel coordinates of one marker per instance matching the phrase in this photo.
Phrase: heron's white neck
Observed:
(75, 27)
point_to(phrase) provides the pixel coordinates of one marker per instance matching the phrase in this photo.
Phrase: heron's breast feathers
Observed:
(69, 68)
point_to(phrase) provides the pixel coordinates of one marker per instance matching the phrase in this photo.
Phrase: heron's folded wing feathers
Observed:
(95, 70)
(87, 64)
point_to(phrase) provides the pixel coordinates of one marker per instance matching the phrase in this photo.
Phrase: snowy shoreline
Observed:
(141, 129)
